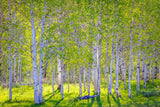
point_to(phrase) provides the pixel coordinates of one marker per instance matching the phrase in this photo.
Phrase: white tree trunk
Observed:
(53, 74)
(10, 55)
(117, 67)
(144, 85)
(19, 64)
(94, 69)
(88, 76)
(36, 99)
(130, 61)
(0, 47)
(107, 55)
(84, 78)
(59, 72)
(112, 58)
(15, 66)
(41, 56)
(138, 61)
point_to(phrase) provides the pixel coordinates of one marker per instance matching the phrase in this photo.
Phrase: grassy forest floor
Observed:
(24, 96)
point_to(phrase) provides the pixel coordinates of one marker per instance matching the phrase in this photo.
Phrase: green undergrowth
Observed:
(23, 96)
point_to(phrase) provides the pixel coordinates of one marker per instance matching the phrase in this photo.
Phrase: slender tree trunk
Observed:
(145, 76)
(138, 60)
(88, 76)
(94, 71)
(153, 68)
(19, 63)
(107, 56)
(130, 63)
(15, 66)
(59, 72)
(36, 99)
(62, 68)
(0, 47)
(117, 68)
(41, 57)
(112, 58)
(10, 55)
(80, 83)
(84, 78)
(159, 69)
(53, 74)
(117, 59)
(68, 76)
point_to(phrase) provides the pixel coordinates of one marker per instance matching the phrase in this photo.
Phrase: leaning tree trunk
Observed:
(36, 99)
(10, 55)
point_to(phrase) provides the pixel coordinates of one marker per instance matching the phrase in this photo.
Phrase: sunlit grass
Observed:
(24, 96)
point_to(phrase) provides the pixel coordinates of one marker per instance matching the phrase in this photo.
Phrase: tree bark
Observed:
(138, 60)
(15, 66)
(130, 63)
(41, 56)
(111, 67)
(36, 98)
(10, 55)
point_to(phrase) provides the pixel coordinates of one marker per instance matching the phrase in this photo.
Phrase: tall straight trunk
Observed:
(130, 63)
(84, 78)
(99, 51)
(153, 68)
(0, 45)
(41, 56)
(53, 74)
(45, 68)
(144, 85)
(19, 63)
(10, 55)
(138, 60)
(94, 71)
(117, 68)
(88, 76)
(36, 99)
(62, 67)
(143, 66)
(111, 67)
(117, 59)
(159, 69)
(68, 76)
(80, 82)
(15, 66)
(59, 72)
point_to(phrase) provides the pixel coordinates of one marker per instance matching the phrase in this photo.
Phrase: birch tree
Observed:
(130, 59)
(36, 98)
(10, 55)
(41, 56)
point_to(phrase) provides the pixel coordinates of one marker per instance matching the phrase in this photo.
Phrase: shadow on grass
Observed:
(58, 102)
(109, 102)
(116, 99)
(92, 101)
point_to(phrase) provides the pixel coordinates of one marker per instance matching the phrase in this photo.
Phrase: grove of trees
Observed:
(79, 41)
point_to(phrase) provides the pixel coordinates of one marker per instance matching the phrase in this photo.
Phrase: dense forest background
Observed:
(100, 43)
